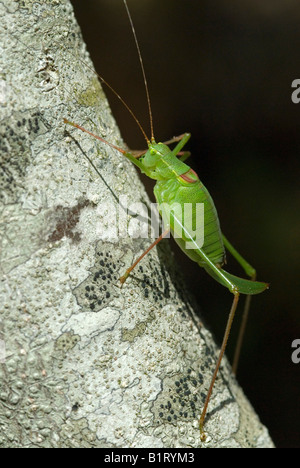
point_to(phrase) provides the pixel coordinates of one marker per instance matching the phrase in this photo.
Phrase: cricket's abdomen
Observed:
(188, 189)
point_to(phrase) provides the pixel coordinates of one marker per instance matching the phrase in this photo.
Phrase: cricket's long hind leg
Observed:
(241, 334)
(129, 270)
(221, 354)
(251, 272)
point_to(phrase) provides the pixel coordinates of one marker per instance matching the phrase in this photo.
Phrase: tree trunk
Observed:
(85, 363)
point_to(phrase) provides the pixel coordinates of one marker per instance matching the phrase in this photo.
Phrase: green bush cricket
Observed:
(176, 183)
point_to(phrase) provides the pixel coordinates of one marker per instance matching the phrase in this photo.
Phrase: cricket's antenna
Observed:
(123, 102)
(143, 69)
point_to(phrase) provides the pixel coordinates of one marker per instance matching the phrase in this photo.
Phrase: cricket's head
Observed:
(160, 163)
(156, 160)
(154, 154)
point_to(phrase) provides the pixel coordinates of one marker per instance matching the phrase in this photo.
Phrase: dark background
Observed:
(224, 73)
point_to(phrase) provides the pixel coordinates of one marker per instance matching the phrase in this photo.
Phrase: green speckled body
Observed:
(177, 191)
(177, 185)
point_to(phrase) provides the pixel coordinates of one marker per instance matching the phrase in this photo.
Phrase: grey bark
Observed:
(83, 362)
